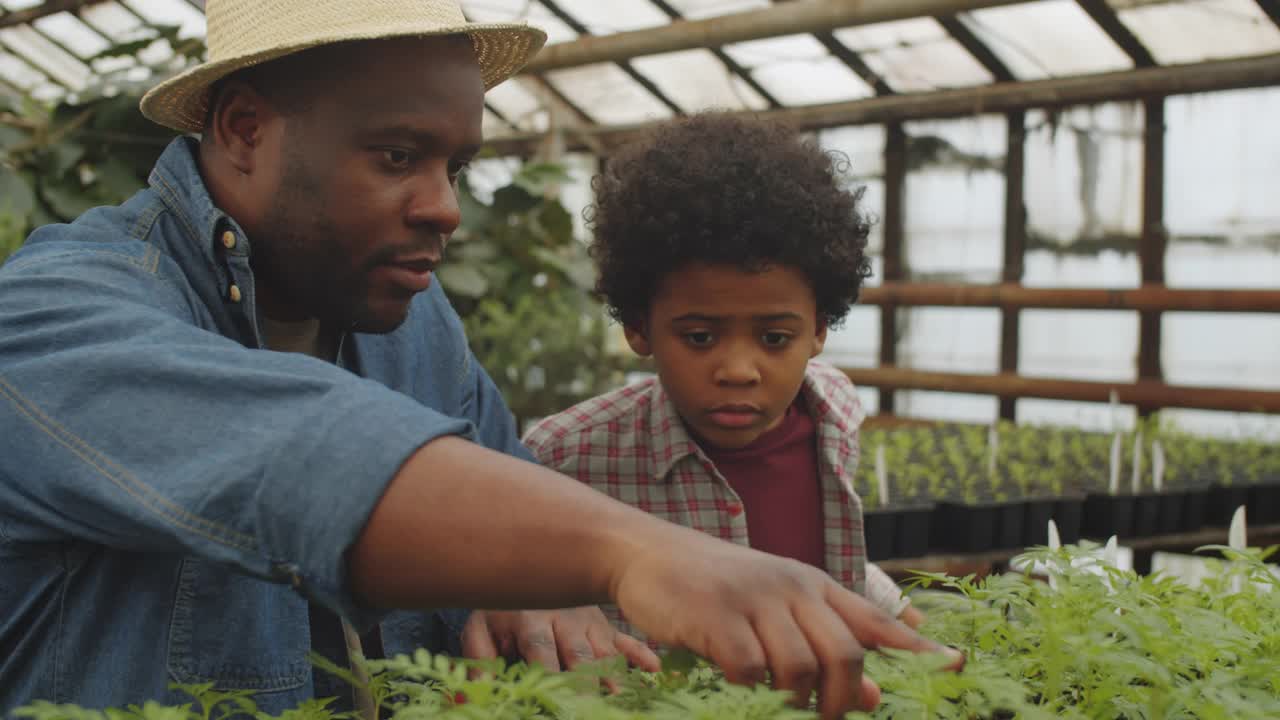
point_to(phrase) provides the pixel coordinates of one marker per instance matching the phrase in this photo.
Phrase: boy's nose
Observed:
(737, 369)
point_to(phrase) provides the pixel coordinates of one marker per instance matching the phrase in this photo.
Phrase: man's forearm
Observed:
(461, 525)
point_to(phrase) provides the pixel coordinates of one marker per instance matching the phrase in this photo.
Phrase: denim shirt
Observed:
(172, 494)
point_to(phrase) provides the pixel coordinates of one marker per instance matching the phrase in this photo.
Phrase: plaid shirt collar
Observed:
(672, 442)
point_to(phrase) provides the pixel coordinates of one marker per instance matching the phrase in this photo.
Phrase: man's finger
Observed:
(840, 656)
(573, 641)
(736, 649)
(875, 628)
(477, 640)
(537, 642)
(637, 653)
(792, 661)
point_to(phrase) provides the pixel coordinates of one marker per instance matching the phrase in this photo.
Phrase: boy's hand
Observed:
(750, 612)
(554, 638)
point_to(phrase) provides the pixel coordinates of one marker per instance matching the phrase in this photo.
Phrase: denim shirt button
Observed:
(229, 240)
(234, 294)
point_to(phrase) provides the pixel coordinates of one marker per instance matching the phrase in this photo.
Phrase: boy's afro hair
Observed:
(727, 190)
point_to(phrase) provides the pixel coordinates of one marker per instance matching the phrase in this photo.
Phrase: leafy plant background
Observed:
(516, 273)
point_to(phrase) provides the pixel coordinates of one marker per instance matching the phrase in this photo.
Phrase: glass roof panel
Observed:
(518, 105)
(798, 70)
(112, 20)
(73, 34)
(1050, 38)
(18, 73)
(51, 59)
(19, 4)
(603, 18)
(695, 9)
(914, 55)
(170, 12)
(607, 94)
(1198, 30)
(696, 80)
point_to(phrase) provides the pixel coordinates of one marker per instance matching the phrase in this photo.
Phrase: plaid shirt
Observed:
(632, 445)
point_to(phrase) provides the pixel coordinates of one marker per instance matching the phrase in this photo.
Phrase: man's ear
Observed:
(819, 339)
(238, 124)
(638, 337)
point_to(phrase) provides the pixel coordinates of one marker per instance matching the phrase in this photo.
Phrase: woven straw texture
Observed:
(247, 32)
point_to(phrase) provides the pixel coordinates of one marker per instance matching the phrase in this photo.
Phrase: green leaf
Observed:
(679, 660)
(538, 178)
(513, 200)
(17, 197)
(463, 280)
(557, 223)
(62, 157)
(67, 198)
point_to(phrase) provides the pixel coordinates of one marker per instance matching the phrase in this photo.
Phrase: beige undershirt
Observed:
(306, 337)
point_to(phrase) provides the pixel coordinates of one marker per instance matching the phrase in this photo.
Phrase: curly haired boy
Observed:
(727, 247)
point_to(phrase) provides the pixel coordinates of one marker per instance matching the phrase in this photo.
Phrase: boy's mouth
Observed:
(734, 416)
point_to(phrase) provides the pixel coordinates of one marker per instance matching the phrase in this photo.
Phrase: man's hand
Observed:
(750, 613)
(554, 638)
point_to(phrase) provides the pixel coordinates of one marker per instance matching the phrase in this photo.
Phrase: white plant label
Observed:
(1136, 480)
(1157, 466)
(882, 475)
(1113, 484)
(993, 450)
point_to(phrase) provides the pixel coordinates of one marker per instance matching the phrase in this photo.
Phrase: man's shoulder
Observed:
(618, 416)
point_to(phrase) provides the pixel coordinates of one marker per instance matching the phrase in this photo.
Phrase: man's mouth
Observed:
(412, 274)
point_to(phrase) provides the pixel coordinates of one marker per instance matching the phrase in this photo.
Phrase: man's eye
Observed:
(699, 339)
(775, 339)
(397, 158)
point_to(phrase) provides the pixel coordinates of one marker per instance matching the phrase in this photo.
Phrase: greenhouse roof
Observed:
(58, 48)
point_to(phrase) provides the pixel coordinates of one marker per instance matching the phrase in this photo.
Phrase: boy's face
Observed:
(731, 347)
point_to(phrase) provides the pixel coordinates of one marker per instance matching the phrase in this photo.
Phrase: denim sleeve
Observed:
(124, 424)
(495, 425)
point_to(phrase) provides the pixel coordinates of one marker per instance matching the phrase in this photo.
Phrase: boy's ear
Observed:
(638, 338)
(819, 339)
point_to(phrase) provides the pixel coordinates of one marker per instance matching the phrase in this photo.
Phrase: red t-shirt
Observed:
(777, 479)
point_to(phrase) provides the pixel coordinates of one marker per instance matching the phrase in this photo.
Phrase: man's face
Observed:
(367, 184)
(731, 347)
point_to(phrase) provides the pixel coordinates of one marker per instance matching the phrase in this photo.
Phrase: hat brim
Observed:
(182, 102)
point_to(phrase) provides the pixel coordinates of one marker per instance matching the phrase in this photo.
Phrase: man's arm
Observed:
(460, 524)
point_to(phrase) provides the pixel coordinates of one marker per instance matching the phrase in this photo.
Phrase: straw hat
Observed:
(247, 32)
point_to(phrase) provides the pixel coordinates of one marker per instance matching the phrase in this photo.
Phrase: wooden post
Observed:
(895, 182)
(1151, 250)
(1015, 245)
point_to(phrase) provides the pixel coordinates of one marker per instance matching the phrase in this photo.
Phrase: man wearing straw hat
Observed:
(237, 408)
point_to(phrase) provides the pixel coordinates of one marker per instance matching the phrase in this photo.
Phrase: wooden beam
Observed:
(791, 18)
(1014, 296)
(1260, 71)
(978, 49)
(49, 7)
(1141, 393)
(895, 188)
(732, 65)
(1153, 244)
(1015, 247)
(1110, 22)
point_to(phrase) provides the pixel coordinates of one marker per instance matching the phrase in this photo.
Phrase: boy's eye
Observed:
(699, 338)
(775, 339)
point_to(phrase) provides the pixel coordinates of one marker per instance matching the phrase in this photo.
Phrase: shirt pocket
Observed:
(237, 632)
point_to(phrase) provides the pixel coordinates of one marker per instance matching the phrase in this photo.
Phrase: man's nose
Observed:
(434, 202)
